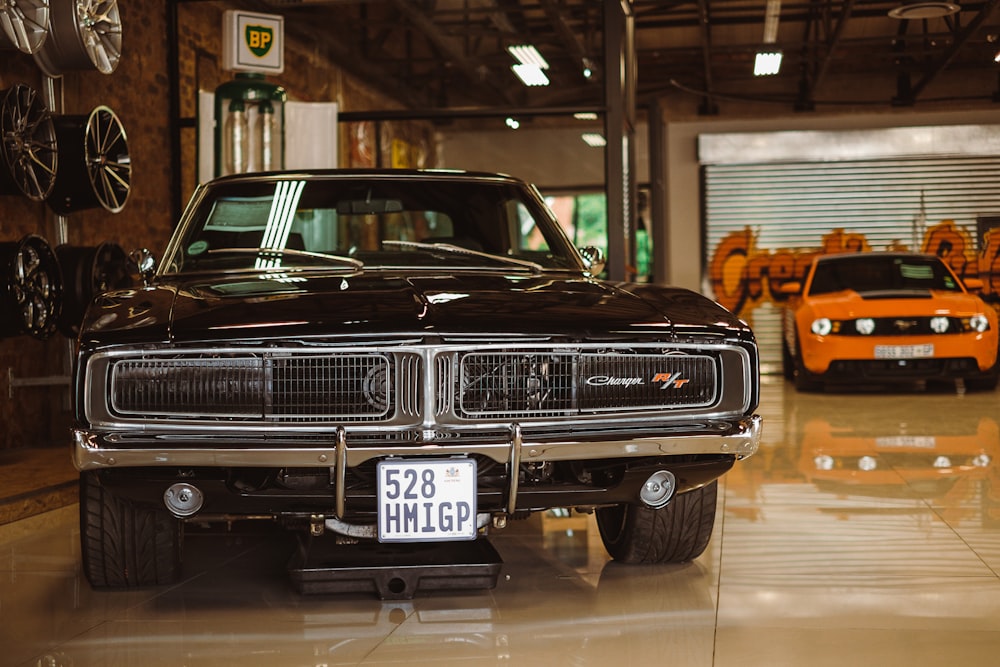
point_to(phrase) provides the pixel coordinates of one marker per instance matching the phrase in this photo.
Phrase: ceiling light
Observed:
(924, 10)
(526, 54)
(594, 139)
(512, 123)
(767, 63)
(530, 75)
(996, 58)
(585, 115)
(772, 12)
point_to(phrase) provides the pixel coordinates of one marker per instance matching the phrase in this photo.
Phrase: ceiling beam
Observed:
(469, 65)
(960, 39)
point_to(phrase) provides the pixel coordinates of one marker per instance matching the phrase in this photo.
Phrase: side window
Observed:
(528, 237)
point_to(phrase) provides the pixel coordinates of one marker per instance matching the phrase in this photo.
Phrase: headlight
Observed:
(942, 462)
(865, 326)
(982, 460)
(823, 462)
(867, 463)
(939, 324)
(821, 327)
(979, 323)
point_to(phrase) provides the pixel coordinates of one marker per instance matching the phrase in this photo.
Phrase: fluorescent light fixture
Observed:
(530, 75)
(767, 64)
(594, 139)
(526, 54)
(585, 115)
(772, 14)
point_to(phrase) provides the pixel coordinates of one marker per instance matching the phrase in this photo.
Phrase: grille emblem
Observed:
(612, 381)
(671, 379)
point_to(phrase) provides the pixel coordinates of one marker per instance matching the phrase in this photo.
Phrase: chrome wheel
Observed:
(29, 143)
(25, 23)
(84, 34)
(34, 288)
(95, 167)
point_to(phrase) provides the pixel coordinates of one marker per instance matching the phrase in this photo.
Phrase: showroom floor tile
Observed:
(865, 532)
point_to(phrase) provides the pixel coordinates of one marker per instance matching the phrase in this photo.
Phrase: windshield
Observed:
(345, 224)
(872, 273)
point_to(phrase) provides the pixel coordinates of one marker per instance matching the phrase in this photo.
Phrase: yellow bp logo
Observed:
(259, 39)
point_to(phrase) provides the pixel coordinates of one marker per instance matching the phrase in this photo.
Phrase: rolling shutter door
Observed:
(792, 206)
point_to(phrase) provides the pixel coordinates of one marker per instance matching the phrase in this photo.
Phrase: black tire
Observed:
(676, 533)
(787, 363)
(988, 383)
(804, 380)
(124, 545)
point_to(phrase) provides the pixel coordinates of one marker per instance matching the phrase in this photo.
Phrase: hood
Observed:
(261, 307)
(898, 303)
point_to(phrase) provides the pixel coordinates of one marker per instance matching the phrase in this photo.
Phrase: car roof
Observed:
(323, 174)
(875, 253)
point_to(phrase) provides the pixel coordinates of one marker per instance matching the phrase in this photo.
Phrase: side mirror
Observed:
(145, 263)
(973, 284)
(790, 288)
(595, 259)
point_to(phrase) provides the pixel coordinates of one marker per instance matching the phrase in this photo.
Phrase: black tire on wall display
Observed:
(24, 23)
(94, 165)
(83, 35)
(88, 272)
(28, 144)
(31, 292)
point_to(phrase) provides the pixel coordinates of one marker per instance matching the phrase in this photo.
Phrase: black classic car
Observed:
(398, 356)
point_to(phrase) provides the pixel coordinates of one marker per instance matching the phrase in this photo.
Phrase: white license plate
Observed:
(904, 351)
(426, 501)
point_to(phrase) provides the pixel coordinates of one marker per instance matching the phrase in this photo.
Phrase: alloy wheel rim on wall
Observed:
(29, 144)
(95, 169)
(83, 35)
(88, 272)
(25, 24)
(31, 300)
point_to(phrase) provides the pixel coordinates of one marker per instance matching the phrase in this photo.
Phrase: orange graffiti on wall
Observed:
(743, 275)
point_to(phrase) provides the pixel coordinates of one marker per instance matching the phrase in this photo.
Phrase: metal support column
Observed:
(619, 129)
(658, 193)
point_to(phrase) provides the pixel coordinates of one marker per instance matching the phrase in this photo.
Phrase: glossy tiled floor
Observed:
(865, 532)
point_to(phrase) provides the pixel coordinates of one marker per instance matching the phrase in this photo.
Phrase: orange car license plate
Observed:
(904, 351)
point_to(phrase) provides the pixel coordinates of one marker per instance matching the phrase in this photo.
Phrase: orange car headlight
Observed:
(821, 326)
(864, 326)
(939, 324)
(978, 322)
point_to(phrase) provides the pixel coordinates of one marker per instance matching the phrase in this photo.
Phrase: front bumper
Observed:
(145, 453)
(93, 450)
(960, 355)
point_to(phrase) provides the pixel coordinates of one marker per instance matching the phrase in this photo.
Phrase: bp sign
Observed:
(259, 39)
(252, 42)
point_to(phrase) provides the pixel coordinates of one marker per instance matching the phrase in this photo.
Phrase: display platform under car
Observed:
(405, 358)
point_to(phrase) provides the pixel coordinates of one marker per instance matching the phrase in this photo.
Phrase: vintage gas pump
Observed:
(249, 125)
(249, 113)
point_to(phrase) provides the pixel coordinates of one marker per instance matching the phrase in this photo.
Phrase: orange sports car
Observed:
(887, 317)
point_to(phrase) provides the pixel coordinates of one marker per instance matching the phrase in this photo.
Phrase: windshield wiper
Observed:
(459, 250)
(270, 252)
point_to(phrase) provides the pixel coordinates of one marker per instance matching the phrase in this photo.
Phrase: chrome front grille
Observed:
(551, 383)
(417, 387)
(268, 387)
(338, 387)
